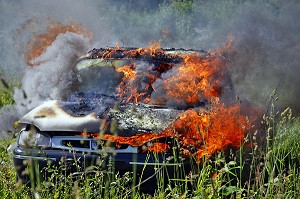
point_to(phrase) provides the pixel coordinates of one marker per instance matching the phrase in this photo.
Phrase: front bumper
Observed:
(142, 165)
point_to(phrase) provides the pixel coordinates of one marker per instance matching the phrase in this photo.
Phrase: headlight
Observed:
(31, 137)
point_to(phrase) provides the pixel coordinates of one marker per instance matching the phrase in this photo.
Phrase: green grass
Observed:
(5, 98)
(6, 93)
(9, 188)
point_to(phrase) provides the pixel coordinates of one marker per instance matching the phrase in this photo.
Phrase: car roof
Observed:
(119, 57)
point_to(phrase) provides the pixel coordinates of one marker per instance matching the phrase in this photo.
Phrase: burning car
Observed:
(140, 107)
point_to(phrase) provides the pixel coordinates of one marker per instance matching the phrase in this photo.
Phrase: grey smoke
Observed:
(267, 54)
(55, 75)
(51, 79)
(266, 45)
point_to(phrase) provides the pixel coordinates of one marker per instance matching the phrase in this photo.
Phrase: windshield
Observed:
(146, 75)
(96, 76)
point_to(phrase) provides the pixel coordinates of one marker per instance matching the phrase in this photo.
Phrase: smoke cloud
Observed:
(51, 79)
(55, 75)
(266, 43)
(267, 54)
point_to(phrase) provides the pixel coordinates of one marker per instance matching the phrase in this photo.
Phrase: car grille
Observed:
(80, 144)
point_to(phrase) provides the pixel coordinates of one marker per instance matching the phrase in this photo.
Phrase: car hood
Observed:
(89, 115)
(50, 116)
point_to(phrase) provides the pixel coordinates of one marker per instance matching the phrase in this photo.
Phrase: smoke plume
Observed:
(51, 79)
(267, 54)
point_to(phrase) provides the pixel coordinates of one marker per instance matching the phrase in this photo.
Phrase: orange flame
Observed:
(129, 90)
(123, 89)
(193, 80)
(158, 147)
(40, 42)
(197, 79)
(135, 140)
(153, 49)
(200, 132)
(205, 131)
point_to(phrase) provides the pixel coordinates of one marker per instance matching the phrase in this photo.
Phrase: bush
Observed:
(5, 97)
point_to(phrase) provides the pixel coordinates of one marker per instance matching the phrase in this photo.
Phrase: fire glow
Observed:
(39, 42)
(205, 127)
(200, 131)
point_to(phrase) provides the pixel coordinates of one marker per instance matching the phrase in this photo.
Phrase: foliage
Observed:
(8, 186)
(5, 98)
(6, 91)
(182, 6)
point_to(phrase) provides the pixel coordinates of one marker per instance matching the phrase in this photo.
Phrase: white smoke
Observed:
(52, 78)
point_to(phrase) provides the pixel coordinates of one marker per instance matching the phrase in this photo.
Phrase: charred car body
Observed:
(99, 121)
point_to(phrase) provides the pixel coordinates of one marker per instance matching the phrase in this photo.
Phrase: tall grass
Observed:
(9, 188)
(269, 170)
(6, 96)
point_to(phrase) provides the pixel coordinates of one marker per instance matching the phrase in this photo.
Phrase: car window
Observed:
(99, 78)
